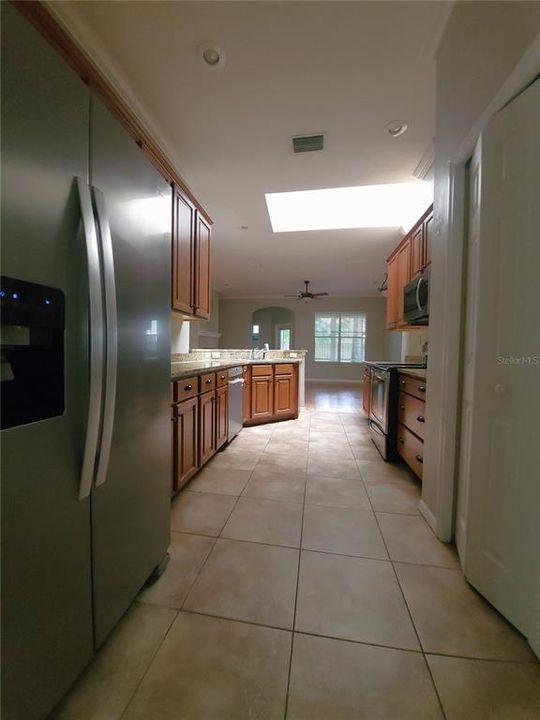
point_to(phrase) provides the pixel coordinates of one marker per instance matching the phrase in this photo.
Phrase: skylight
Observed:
(366, 206)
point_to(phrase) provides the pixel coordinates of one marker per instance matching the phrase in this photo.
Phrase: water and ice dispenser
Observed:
(32, 352)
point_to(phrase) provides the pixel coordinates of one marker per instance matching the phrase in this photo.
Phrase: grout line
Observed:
(405, 602)
(296, 596)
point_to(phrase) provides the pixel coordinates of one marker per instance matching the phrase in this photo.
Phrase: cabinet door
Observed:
(391, 293)
(428, 229)
(202, 269)
(186, 429)
(183, 253)
(222, 415)
(207, 426)
(285, 396)
(403, 277)
(366, 390)
(247, 393)
(417, 252)
(261, 398)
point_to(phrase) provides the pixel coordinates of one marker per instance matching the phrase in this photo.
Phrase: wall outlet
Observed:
(216, 355)
(293, 354)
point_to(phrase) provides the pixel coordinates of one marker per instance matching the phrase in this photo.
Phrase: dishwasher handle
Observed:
(238, 381)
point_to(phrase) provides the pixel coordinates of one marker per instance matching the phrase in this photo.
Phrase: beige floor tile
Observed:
(283, 463)
(345, 469)
(238, 459)
(247, 581)
(394, 496)
(223, 481)
(211, 669)
(265, 521)
(299, 433)
(353, 599)
(451, 618)
(366, 452)
(338, 680)
(353, 420)
(187, 555)
(332, 441)
(288, 487)
(106, 687)
(377, 470)
(201, 513)
(327, 452)
(487, 690)
(264, 430)
(254, 443)
(284, 446)
(409, 539)
(347, 531)
(326, 426)
(336, 492)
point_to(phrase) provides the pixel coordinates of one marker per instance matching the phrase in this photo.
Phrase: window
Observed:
(340, 337)
(285, 339)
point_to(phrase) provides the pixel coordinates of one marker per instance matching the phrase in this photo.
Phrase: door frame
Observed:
(441, 461)
(278, 329)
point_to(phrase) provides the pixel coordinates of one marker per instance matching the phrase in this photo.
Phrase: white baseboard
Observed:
(429, 517)
(326, 380)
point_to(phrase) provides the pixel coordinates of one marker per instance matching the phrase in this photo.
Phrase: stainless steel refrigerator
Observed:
(85, 372)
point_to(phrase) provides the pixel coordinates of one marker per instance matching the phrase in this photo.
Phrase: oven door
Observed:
(378, 410)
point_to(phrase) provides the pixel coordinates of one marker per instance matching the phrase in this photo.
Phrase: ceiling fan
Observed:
(306, 295)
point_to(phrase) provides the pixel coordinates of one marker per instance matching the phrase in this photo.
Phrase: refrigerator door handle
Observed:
(111, 335)
(96, 339)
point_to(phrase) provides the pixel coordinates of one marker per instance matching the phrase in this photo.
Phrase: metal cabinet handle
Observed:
(402, 407)
(421, 418)
(208, 382)
(422, 388)
(420, 458)
(96, 340)
(111, 335)
(188, 387)
(401, 440)
(403, 382)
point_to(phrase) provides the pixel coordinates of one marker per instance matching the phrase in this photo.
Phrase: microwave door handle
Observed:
(111, 334)
(420, 281)
(95, 341)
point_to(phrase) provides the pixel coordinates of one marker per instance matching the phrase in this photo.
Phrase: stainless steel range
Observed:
(384, 406)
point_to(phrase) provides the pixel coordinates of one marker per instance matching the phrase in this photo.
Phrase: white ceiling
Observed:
(343, 68)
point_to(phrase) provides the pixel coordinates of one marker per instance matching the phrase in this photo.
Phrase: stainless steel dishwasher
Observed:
(236, 397)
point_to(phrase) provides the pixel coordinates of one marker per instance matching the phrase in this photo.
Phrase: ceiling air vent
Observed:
(308, 143)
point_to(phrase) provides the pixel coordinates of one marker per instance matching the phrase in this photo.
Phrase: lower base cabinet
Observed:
(273, 393)
(185, 442)
(222, 416)
(207, 434)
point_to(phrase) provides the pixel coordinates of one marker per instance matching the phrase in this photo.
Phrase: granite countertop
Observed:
(414, 372)
(186, 368)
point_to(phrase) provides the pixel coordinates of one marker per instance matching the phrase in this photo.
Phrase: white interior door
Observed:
(500, 478)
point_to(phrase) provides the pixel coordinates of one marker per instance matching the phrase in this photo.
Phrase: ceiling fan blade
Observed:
(292, 296)
(319, 294)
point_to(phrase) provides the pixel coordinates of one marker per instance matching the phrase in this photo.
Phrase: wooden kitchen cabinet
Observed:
(404, 275)
(222, 415)
(285, 394)
(246, 398)
(411, 421)
(262, 400)
(207, 426)
(185, 442)
(191, 236)
(407, 261)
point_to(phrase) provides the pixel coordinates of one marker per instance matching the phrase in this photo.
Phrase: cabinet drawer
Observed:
(184, 389)
(284, 369)
(411, 449)
(261, 370)
(222, 378)
(207, 382)
(413, 386)
(412, 413)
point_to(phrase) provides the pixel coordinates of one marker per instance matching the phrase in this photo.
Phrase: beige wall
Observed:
(198, 328)
(235, 328)
(479, 51)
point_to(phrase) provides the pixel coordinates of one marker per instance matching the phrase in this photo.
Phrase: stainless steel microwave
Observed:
(416, 300)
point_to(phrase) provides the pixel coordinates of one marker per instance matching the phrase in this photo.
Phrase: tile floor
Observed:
(304, 584)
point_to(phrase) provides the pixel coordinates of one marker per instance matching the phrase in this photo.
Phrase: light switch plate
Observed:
(293, 355)
(216, 355)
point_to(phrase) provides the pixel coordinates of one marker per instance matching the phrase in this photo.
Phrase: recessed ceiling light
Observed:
(396, 128)
(367, 206)
(212, 55)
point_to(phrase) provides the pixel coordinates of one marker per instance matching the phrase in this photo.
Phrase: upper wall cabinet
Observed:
(190, 258)
(408, 261)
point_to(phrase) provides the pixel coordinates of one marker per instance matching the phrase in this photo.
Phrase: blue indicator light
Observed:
(47, 302)
(15, 296)
(2, 293)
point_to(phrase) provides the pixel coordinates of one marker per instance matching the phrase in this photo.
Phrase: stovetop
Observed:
(384, 365)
